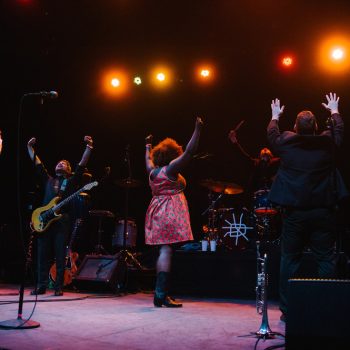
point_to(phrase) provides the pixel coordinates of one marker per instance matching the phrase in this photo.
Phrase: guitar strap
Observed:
(62, 188)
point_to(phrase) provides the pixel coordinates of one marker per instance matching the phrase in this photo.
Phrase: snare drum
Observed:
(262, 205)
(236, 228)
(131, 233)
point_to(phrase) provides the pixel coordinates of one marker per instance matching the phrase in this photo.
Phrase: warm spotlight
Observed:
(115, 82)
(204, 73)
(161, 76)
(338, 54)
(333, 54)
(287, 61)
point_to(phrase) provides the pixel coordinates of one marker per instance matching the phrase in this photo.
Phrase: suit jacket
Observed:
(307, 177)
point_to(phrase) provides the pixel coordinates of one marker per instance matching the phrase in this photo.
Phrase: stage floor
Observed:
(130, 322)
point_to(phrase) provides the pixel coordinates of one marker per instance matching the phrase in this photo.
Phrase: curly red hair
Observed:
(165, 152)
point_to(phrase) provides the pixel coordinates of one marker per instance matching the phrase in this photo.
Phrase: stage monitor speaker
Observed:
(101, 272)
(318, 314)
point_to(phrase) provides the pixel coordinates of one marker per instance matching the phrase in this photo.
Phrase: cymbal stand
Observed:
(213, 202)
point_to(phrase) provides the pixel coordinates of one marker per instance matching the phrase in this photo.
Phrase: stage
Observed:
(106, 321)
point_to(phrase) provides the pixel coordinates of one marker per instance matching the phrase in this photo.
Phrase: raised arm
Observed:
(180, 162)
(31, 152)
(86, 155)
(273, 131)
(233, 138)
(149, 162)
(336, 121)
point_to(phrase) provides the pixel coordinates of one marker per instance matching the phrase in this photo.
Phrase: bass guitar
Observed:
(70, 268)
(44, 216)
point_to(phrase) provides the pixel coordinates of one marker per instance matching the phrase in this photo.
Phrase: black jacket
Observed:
(306, 177)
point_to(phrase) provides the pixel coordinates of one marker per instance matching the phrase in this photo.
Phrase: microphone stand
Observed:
(330, 126)
(125, 253)
(19, 322)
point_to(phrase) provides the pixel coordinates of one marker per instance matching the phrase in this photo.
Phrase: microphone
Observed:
(43, 94)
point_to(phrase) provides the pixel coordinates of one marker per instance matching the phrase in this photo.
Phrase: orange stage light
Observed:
(333, 56)
(115, 82)
(287, 61)
(161, 76)
(204, 73)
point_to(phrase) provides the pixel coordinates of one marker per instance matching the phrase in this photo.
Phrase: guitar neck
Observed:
(67, 200)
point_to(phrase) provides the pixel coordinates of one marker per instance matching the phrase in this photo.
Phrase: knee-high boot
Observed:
(161, 291)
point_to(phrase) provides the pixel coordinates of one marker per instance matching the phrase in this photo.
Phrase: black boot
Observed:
(160, 296)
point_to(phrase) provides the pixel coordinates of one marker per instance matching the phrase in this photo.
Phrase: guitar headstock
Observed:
(90, 185)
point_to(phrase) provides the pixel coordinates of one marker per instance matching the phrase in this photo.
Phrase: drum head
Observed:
(236, 228)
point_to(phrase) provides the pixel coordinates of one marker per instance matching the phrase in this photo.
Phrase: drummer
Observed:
(265, 167)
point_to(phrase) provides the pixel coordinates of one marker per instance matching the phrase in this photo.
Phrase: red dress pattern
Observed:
(167, 217)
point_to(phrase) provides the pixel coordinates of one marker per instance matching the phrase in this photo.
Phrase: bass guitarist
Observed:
(63, 184)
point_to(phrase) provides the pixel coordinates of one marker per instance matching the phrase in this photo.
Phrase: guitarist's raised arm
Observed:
(31, 151)
(86, 155)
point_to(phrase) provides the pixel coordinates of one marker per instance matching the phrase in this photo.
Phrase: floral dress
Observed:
(167, 217)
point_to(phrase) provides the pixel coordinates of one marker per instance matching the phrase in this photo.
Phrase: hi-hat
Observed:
(129, 183)
(221, 186)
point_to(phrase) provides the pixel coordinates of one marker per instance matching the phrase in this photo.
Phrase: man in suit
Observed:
(308, 188)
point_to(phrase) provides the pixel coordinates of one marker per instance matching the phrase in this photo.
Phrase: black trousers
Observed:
(314, 228)
(55, 239)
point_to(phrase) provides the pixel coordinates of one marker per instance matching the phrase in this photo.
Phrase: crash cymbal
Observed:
(221, 186)
(129, 183)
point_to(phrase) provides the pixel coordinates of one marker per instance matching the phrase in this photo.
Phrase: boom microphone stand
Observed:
(19, 322)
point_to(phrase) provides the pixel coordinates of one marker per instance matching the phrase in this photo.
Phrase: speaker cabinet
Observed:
(101, 272)
(318, 314)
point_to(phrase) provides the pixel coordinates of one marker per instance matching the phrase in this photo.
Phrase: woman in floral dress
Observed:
(167, 217)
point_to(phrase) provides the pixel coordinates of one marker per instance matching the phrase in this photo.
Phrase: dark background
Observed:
(66, 45)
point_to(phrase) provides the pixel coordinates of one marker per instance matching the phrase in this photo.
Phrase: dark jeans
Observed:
(55, 237)
(314, 228)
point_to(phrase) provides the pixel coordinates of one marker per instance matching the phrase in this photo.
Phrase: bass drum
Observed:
(236, 228)
(262, 205)
(131, 234)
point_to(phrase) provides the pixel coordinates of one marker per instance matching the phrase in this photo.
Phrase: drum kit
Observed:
(234, 228)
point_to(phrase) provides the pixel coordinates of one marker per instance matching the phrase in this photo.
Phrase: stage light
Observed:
(338, 54)
(204, 73)
(287, 61)
(115, 82)
(333, 54)
(161, 76)
(137, 81)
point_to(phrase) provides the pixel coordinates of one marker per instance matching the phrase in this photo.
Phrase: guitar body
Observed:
(69, 271)
(44, 216)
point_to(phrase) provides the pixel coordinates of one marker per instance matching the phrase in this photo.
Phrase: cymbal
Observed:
(129, 183)
(221, 186)
(101, 213)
